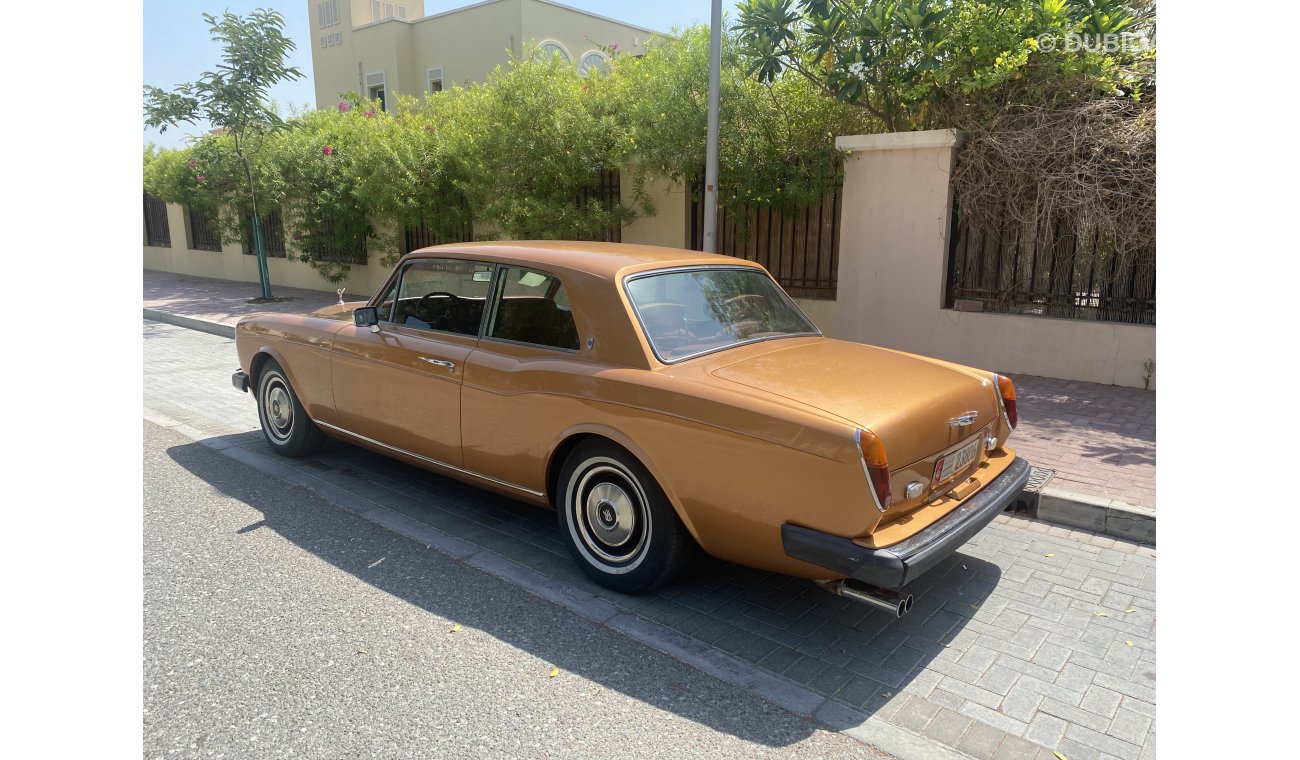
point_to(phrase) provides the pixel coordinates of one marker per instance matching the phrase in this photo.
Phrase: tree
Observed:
(777, 139)
(919, 64)
(235, 97)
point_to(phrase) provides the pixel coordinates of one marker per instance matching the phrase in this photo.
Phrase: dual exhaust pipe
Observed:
(895, 602)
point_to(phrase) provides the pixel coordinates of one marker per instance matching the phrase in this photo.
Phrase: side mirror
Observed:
(366, 316)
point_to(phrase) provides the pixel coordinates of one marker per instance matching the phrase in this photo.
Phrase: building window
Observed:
(593, 61)
(381, 10)
(156, 229)
(551, 48)
(204, 234)
(327, 13)
(376, 89)
(435, 79)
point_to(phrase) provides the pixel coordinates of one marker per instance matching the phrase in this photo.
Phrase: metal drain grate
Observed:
(1027, 501)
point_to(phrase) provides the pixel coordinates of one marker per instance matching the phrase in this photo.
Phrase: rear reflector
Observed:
(1007, 390)
(877, 467)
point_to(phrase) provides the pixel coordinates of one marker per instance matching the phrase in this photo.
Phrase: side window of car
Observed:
(385, 304)
(533, 307)
(447, 295)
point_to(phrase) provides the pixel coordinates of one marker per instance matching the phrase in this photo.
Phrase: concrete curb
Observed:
(193, 323)
(1106, 517)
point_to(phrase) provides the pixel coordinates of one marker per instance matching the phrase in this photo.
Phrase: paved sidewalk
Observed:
(1099, 440)
(1031, 640)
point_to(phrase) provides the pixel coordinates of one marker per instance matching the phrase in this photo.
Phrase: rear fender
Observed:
(642, 456)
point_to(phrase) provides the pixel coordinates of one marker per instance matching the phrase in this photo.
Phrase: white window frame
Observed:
(437, 72)
(327, 13)
(581, 61)
(382, 84)
(568, 57)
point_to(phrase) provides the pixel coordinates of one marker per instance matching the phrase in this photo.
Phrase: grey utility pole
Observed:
(711, 141)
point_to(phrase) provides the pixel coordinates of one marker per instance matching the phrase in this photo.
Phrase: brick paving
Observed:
(225, 300)
(1100, 439)
(1032, 639)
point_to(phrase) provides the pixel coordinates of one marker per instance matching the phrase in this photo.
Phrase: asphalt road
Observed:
(277, 625)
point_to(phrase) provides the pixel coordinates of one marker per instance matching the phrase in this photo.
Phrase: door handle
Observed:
(439, 362)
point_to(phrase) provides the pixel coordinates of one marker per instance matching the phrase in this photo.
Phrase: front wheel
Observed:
(285, 423)
(621, 530)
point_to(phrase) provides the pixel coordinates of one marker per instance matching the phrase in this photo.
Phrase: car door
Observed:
(400, 384)
(521, 384)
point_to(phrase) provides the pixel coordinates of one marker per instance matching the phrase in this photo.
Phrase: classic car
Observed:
(660, 401)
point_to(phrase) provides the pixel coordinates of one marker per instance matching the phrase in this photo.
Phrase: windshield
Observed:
(696, 311)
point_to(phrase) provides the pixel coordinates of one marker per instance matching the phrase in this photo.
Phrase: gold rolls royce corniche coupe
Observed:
(659, 400)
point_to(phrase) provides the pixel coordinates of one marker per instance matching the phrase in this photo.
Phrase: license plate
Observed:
(955, 461)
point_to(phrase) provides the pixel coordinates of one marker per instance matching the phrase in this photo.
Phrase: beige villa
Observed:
(381, 48)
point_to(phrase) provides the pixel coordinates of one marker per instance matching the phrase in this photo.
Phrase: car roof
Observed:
(590, 257)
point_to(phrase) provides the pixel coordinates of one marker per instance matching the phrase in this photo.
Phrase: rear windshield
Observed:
(689, 312)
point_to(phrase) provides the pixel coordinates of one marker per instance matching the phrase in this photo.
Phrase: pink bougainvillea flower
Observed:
(200, 178)
(343, 107)
(193, 164)
(327, 150)
(613, 46)
(371, 114)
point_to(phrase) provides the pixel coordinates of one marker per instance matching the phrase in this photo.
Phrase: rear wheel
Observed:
(285, 423)
(621, 530)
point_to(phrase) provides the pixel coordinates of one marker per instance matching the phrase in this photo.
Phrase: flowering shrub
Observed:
(515, 154)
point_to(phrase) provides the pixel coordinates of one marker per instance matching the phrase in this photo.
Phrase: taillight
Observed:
(877, 467)
(1007, 390)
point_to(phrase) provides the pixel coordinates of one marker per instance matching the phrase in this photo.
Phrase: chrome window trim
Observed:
(525, 344)
(497, 294)
(400, 272)
(704, 268)
(452, 467)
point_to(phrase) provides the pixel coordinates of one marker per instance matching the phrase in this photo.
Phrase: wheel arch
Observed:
(575, 437)
(259, 360)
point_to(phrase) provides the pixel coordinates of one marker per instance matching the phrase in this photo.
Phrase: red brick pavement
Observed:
(1099, 439)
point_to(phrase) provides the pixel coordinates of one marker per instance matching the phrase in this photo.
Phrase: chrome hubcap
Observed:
(610, 515)
(278, 409)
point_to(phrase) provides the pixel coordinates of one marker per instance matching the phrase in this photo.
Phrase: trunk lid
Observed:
(908, 401)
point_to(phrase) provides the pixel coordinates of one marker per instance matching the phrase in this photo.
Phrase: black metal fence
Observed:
(272, 235)
(422, 236)
(342, 239)
(607, 191)
(204, 234)
(800, 250)
(1069, 270)
(156, 229)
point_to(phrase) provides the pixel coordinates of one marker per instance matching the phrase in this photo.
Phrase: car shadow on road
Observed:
(789, 628)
